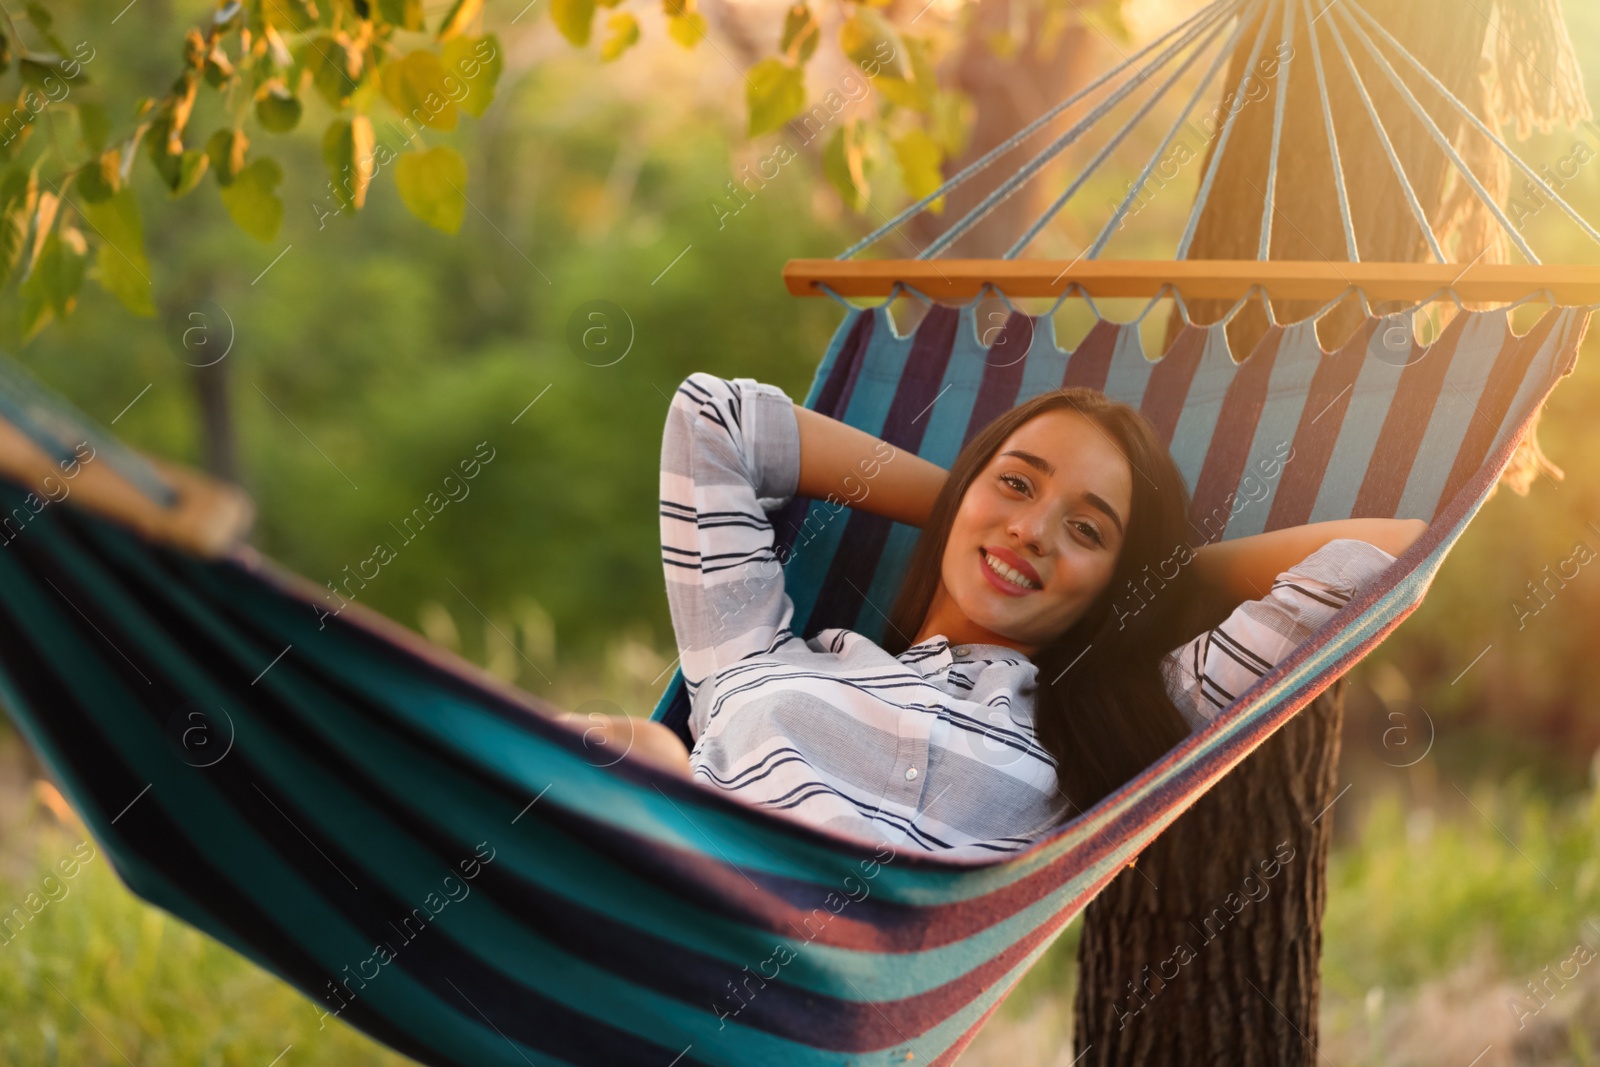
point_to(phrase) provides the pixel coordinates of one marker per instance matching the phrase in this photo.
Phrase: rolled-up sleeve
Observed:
(730, 453)
(1208, 674)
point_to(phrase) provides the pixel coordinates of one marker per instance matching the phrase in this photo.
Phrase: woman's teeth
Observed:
(1008, 573)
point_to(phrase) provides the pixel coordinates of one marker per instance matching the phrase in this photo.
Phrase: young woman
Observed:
(1036, 656)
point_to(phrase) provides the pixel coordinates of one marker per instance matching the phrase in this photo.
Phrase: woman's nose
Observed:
(1028, 525)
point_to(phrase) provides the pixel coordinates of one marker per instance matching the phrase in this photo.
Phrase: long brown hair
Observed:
(1101, 708)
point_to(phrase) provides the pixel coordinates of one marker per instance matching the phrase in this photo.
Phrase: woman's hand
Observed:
(1246, 567)
(844, 465)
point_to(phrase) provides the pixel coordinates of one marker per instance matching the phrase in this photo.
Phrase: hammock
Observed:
(427, 857)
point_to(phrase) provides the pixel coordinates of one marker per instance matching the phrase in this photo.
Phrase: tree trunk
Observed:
(1208, 951)
(1244, 972)
(219, 455)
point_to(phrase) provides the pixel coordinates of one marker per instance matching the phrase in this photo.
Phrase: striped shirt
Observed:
(932, 749)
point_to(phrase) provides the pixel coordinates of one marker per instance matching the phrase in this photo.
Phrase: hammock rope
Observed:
(1351, 251)
(1389, 153)
(1115, 222)
(1198, 35)
(1027, 171)
(1439, 138)
(1216, 9)
(1281, 98)
(1094, 163)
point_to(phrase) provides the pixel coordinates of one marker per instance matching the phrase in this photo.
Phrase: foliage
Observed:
(260, 58)
(387, 351)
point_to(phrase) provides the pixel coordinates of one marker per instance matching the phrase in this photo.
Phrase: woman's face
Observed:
(1049, 510)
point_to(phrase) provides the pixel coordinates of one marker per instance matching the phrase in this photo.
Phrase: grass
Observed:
(99, 977)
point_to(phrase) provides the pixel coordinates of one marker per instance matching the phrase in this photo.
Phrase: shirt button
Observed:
(960, 650)
(911, 774)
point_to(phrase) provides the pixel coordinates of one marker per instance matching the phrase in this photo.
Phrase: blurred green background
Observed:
(376, 353)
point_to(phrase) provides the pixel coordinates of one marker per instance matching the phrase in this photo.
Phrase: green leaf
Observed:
(415, 85)
(226, 150)
(432, 185)
(687, 30)
(919, 160)
(476, 61)
(190, 168)
(335, 69)
(923, 83)
(121, 265)
(775, 93)
(870, 42)
(39, 68)
(801, 32)
(296, 15)
(277, 109)
(405, 14)
(845, 167)
(218, 68)
(624, 30)
(462, 13)
(573, 18)
(100, 178)
(19, 195)
(347, 146)
(52, 286)
(251, 200)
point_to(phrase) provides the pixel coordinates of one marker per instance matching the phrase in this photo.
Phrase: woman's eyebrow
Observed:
(1093, 499)
(1038, 462)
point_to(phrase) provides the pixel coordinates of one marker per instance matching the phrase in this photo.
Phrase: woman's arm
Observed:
(1246, 567)
(841, 463)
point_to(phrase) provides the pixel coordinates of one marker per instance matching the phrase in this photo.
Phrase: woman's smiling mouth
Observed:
(1005, 577)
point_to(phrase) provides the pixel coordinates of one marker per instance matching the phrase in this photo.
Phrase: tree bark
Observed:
(1249, 994)
(1208, 951)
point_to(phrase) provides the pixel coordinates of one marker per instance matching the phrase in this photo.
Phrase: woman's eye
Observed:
(1090, 532)
(1014, 482)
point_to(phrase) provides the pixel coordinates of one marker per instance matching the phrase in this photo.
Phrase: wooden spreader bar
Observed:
(1195, 279)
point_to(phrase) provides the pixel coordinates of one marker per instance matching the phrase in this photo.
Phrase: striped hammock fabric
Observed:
(427, 858)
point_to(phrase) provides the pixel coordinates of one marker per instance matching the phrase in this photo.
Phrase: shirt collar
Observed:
(937, 652)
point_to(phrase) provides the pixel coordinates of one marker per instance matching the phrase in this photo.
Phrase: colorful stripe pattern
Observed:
(425, 856)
